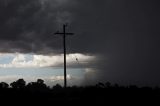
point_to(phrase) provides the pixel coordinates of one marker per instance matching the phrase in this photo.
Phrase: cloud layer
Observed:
(37, 61)
(26, 24)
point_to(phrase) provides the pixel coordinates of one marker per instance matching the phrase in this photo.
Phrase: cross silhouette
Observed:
(64, 33)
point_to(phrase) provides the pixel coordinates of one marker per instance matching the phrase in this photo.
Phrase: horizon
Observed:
(114, 41)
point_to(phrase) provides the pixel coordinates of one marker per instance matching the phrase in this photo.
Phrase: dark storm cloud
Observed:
(124, 34)
(28, 26)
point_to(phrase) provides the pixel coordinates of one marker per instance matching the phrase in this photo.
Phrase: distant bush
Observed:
(20, 83)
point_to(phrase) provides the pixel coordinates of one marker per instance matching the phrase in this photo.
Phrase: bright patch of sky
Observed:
(5, 59)
(51, 76)
(31, 60)
(49, 68)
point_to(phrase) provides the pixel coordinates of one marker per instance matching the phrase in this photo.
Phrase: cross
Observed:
(64, 33)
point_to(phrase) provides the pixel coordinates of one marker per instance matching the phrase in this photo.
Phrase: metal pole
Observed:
(64, 33)
(64, 48)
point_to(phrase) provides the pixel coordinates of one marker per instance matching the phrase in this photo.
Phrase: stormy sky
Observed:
(123, 35)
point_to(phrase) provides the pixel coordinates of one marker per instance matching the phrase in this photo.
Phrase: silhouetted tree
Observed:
(100, 85)
(57, 87)
(4, 85)
(108, 84)
(39, 85)
(116, 85)
(40, 81)
(20, 83)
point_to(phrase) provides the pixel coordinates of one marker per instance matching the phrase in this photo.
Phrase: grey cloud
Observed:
(124, 34)
(33, 22)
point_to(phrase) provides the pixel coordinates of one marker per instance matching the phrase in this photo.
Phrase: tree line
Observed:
(39, 92)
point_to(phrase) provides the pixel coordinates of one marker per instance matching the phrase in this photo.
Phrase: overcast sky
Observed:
(121, 35)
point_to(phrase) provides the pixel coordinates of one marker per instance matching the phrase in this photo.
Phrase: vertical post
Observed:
(64, 33)
(64, 48)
